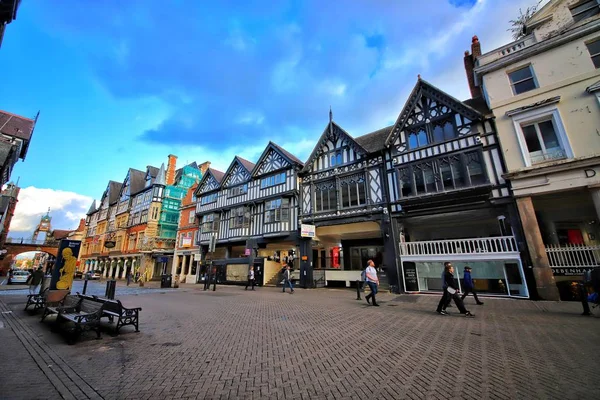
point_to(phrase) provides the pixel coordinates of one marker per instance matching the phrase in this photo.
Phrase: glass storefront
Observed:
(499, 277)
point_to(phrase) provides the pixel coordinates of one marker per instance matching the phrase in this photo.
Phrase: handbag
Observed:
(450, 290)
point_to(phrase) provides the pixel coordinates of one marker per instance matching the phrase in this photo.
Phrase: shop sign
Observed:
(162, 259)
(307, 230)
(571, 271)
(197, 257)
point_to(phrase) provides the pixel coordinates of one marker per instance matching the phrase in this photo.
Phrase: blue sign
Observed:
(162, 259)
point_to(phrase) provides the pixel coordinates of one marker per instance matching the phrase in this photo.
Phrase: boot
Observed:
(375, 302)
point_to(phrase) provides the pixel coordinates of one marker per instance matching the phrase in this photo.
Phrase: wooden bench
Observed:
(56, 299)
(115, 309)
(85, 316)
(38, 301)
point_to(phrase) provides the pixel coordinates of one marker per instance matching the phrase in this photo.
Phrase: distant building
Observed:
(8, 202)
(15, 135)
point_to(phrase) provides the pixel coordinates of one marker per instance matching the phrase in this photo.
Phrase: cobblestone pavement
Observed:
(317, 344)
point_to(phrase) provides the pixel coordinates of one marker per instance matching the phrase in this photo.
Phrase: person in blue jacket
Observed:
(469, 287)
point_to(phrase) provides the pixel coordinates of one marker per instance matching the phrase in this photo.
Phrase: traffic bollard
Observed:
(358, 285)
(85, 282)
(584, 301)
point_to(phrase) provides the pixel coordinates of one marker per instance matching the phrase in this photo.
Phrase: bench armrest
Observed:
(87, 318)
(61, 309)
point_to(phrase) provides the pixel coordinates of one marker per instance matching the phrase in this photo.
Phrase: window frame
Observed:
(512, 84)
(239, 218)
(595, 55)
(238, 190)
(539, 115)
(581, 3)
(280, 213)
(272, 180)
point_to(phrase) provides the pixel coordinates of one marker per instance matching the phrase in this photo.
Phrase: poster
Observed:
(411, 282)
(65, 265)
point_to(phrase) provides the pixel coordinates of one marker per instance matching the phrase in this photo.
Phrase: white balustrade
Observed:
(500, 244)
(573, 255)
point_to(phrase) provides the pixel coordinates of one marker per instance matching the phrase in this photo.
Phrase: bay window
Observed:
(277, 210)
(239, 218)
(353, 191)
(325, 196)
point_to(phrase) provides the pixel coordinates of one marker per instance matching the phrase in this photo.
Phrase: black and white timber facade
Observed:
(447, 197)
(252, 209)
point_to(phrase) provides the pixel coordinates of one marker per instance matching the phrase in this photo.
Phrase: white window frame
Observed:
(536, 115)
(512, 84)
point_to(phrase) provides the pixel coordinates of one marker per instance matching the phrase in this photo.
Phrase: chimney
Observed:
(469, 60)
(204, 167)
(171, 169)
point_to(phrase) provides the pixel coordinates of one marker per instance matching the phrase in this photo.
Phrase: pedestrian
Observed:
(287, 281)
(36, 280)
(251, 278)
(372, 281)
(469, 286)
(452, 292)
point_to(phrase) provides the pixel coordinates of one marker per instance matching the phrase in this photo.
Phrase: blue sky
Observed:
(125, 83)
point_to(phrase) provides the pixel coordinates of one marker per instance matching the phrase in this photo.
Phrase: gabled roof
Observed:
(275, 164)
(137, 181)
(247, 168)
(374, 141)
(18, 127)
(114, 191)
(210, 173)
(425, 88)
(92, 209)
(332, 132)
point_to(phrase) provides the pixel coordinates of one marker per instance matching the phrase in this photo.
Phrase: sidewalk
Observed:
(315, 344)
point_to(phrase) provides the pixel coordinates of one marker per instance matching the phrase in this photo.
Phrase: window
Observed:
(210, 223)
(238, 190)
(594, 49)
(272, 180)
(240, 218)
(353, 191)
(418, 139)
(277, 210)
(191, 217)
(144, 216)
(442, 174)
(542, 142)
(211, 198)
(336, 158)
(522, 80)
(325, 196)
(584, 9)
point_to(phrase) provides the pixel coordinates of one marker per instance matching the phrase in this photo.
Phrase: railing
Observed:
(26, 241)
(500, 244)
(573, 255)
(506, 50)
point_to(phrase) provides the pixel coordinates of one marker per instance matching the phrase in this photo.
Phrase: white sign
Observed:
(197, 257)
(307, 230)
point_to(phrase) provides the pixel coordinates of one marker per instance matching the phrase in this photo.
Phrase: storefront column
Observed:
(189, 268)
(306, 263)
(544, 279)
(595, 192)
(176, 258)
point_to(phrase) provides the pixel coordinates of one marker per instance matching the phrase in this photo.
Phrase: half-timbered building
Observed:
(251, 210)
(343, 197)
(448, 199)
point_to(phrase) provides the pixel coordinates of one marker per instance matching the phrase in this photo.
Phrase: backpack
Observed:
(363, 275)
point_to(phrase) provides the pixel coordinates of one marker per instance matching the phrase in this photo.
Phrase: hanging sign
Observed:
(307, 230)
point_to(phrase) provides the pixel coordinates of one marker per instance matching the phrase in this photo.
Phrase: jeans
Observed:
(250, 282)
(373, 287)
(288, 282)
(33, 289)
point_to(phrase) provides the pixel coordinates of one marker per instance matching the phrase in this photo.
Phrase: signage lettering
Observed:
(589, 173)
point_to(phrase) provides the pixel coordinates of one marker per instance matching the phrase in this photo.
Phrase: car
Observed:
(97, 274)
(19, 276)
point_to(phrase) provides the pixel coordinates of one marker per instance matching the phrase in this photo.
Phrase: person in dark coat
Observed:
(452, 292)
(36, 280)
(469, 286)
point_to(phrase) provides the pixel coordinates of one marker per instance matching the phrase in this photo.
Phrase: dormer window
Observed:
(585, 9)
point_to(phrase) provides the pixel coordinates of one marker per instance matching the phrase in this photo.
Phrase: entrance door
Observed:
(514, 280)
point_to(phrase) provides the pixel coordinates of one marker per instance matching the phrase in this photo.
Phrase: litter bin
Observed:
(165, 281)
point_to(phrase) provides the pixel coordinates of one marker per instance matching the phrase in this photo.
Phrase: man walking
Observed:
(251, 278)
(36, 280)
(469, 286)
(287, 281)
(451, 292)
(372, 281)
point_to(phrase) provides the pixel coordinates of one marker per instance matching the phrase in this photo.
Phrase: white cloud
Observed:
(332, 88)
(66, 208)
(251, 118)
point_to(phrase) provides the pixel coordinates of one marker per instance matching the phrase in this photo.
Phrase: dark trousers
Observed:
(444, 301)
(447, 298)
(250, 282)
(373, 287)
(470, 290)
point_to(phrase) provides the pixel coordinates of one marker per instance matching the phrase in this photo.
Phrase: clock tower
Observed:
(43, 226)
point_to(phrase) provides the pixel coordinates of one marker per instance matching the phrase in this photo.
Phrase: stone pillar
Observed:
(110, 270)
(595, 192)
(544, 279)
(189, 271)
(175, 264)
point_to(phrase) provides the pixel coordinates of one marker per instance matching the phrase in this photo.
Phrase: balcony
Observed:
(480, 247)
(506, 50)
(575, 257)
